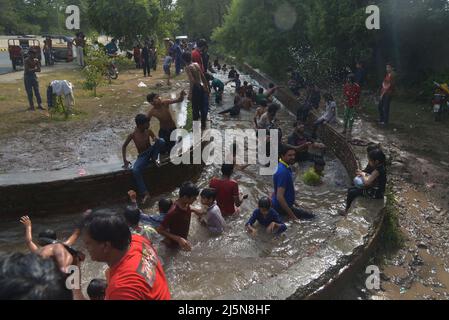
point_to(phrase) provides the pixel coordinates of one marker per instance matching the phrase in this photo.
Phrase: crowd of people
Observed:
(125, 241)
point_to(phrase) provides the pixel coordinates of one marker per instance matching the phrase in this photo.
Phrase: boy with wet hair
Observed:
(266, 216)
(228, 194)
(97, 289)
(176, 225)
(149, 147)
(212, 218)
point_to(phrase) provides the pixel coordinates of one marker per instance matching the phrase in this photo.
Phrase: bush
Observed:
(96, 67)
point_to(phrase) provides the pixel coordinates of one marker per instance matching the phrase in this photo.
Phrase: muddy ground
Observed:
(418, 149)
(30, 141)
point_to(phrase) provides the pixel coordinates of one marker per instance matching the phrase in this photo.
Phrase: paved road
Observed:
(5, 63)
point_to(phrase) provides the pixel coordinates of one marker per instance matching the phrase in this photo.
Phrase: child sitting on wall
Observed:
(369, 185)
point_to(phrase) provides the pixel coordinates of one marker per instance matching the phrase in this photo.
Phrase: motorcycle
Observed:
(112, 70)
(440, 100)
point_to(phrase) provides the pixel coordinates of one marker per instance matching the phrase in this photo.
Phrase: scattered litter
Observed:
(142, 85)
(403, 290)
(82, 172)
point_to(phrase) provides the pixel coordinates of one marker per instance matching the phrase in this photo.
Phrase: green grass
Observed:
(391, 236)
(3, 98)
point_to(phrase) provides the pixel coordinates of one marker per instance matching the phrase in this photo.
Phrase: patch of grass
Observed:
(3, 98)
(391, 236)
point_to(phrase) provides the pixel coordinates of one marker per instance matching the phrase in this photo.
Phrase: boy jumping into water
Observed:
(147, 152)
(161, 111)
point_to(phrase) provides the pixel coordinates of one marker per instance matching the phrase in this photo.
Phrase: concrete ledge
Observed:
(334, 264)
(49, 192)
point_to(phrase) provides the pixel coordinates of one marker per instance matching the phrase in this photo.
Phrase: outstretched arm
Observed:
(179, 100)
(26, 221)
(126, 163)
(71, 241)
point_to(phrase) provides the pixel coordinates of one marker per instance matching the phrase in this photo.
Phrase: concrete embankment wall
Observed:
(74, 193)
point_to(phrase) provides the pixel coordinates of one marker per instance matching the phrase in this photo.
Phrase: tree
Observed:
(201, 17)
(125, 19)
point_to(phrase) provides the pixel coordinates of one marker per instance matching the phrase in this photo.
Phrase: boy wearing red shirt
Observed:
(176, 224)
(352, 93)
(228, 196)
(135, 271)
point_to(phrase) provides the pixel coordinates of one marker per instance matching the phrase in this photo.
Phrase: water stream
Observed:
(229, 263)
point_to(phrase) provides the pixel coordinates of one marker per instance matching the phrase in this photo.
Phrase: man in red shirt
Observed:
(386, 94)
(197, 54)
(135, 270)
(228, 196)
(352, 93)
(176, 225)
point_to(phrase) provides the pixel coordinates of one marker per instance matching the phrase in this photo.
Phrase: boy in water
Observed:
(49, 247)
(142, 137)
(176, 225)
(212, 218)
(154, 220)
(161, 111)
(218, 87)
(132, 217)
(313, 176)
(267, 217)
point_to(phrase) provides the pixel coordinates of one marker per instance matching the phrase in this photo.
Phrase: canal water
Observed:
(220, 266)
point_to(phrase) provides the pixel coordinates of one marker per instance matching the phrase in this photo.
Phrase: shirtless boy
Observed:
(161, 111)
(199, 90)
(142, 137)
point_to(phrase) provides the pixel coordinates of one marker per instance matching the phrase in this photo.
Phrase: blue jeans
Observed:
(178, 65)
(32, 84)
(142, 163)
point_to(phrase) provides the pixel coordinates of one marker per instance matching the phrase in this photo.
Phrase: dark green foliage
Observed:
(327, 36)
